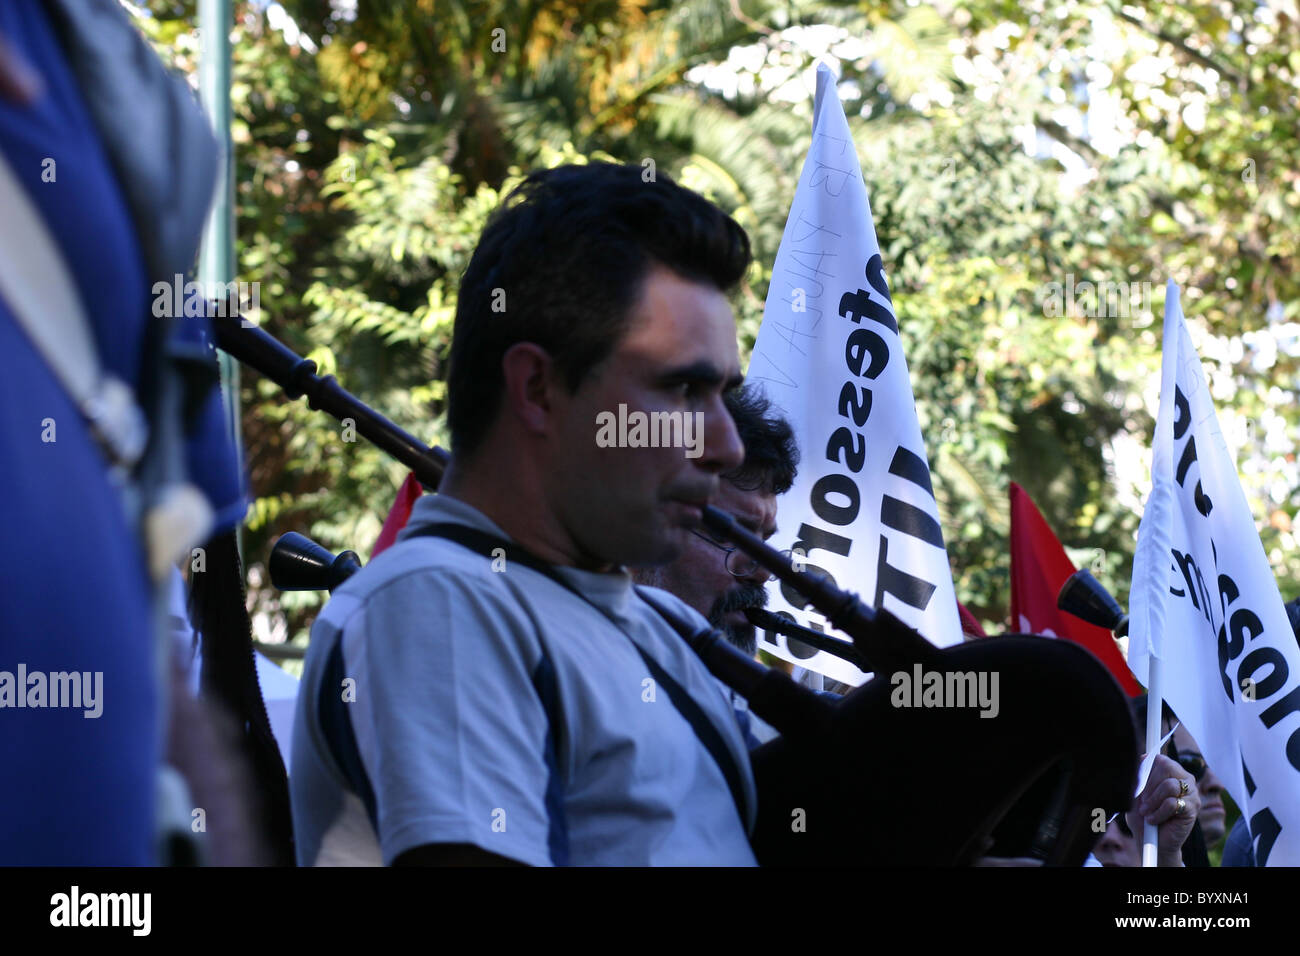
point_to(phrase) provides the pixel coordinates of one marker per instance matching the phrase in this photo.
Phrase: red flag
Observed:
(399, 514)
(1039, 566)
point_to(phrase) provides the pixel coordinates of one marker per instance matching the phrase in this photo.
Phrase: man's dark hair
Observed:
(561, 263)
(771, 452)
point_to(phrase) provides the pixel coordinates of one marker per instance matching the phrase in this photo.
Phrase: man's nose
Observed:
(723, 449)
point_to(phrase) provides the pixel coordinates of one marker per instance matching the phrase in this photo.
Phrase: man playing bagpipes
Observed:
(493, 689)
(461, 706)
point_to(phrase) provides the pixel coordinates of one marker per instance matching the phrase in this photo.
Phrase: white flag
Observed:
(1205, 603)
(829, 356)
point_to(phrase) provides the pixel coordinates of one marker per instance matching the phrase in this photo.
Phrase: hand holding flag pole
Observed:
(1155, 708)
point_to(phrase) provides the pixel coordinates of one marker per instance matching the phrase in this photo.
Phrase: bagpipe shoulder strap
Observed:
(41, 294)
(704, 728)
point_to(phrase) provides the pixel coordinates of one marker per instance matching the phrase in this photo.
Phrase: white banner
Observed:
(1205, 603)
(828, 355)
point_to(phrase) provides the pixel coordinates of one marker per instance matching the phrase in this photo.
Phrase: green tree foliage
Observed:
(373, 139)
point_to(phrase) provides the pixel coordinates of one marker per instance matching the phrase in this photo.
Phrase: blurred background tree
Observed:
(1006, 147)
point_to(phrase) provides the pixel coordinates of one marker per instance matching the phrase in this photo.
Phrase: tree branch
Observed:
(1240, 79)
(1063, 136)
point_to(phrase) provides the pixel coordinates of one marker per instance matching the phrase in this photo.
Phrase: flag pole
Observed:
(1155, 709)
(1151, 561)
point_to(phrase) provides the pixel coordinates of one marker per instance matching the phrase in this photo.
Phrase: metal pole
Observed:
(217, 254)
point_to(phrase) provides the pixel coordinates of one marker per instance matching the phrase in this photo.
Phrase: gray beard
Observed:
(744, 636)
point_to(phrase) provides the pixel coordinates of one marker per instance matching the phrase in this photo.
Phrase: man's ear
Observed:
(530, 380)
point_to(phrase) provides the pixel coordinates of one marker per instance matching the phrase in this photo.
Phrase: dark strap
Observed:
(336, 726)
(218, 609)
(707, 732)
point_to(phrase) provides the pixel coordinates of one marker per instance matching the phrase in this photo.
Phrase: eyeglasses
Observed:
(738, 562)
(1193, 763)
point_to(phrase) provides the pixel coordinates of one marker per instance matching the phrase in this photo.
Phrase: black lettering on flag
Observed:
(831, 513)
(1279, 709)
(1282, 706)
(876, 279)
(1187, 566)
(1182, 415)
(911, 590)
(1196, 587)
(1260, 657)
(909, 465)
(1185, 462)
(860, 411)
(1203, 503)
(852, 444)
(858, 305)
(1231, 643)
(1232, 640)
(1226, 653)
(860, 344)
(1245, 622)
(1265, 830)
(812, 538)
(1183, 421)
(1228, 592)
(1173, 590)
(910, 519)
(1264, 827)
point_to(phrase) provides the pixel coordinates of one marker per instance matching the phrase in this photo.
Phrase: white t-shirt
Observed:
(443, 658)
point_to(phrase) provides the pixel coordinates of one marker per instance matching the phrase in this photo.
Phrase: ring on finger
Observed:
(1182, 788)
(1182, 807)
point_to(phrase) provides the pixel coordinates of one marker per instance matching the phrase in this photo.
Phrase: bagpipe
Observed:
(878, 777)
